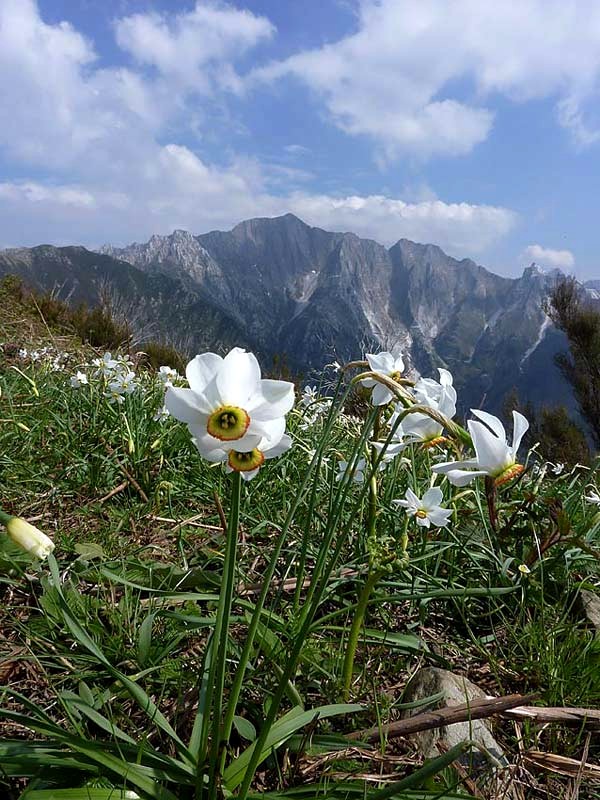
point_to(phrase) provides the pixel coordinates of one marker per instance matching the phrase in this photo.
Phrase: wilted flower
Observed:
(557, 469)
(229, 402)
(524, 569)
(384, 364)
(78, 380)
(29, 538)
(426, 510)
(494, 457)
(593, 498)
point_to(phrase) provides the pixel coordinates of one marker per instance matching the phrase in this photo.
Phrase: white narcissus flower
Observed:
(427, 509)
(358, 475)
(228, 403)
(166, 375)
(273, 443)
(78, 380)
(161, 415)
(440, 397)
(494, 456)
(383, 364)
(29, 538)
(309, 395)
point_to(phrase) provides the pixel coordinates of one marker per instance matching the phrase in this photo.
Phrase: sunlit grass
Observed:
(110, 651)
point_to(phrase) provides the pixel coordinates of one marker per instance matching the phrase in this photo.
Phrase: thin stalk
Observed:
(218, 660)
(357, 623)
(270, 571)
(373, 575)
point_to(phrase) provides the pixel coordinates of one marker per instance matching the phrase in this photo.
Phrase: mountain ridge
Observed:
(278, 285)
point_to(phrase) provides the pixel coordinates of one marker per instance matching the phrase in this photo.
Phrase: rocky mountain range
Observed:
(279, 286)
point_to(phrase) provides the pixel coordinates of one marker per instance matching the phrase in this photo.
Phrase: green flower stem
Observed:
(218, 662)
(373, 575)
(357, 623)
(5, 518)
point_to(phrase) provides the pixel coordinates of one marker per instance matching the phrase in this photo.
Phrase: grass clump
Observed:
(127, 671)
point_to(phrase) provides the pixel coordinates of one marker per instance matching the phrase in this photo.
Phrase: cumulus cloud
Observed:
(546, 257)
(416, 74)
(187, 45)
(460, 228)
(99, 143)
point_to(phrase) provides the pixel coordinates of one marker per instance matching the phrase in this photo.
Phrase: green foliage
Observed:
(579, 320)
(117, 634)
(559, 439)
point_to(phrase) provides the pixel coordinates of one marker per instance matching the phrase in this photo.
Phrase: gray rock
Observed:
(591, 607)
(456, 690)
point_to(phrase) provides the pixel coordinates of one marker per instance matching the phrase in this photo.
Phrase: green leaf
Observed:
(245, 728)
(89, 550)
(133, 689)
(284, 728)
(145, 638)
(83, 793)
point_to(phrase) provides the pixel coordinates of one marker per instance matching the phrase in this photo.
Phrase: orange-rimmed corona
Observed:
(245, 462)
(228, 423)
(509, 474)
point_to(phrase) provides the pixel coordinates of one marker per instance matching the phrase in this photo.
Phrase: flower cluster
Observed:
(235, 416)
(434, 406)
(55, 359)
(313, 407)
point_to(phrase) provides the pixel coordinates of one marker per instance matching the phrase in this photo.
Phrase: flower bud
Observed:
(29, 537)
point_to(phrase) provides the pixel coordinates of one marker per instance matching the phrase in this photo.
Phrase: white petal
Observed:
(403, 503)
(445, 377)
(215, 456)
(398, 364)
(273, 399)
(201, 370)
(184, 405)
(273, 430)
(493, 454)
(421, 426)
(381, 362)
(439, 517)
(445, 466)
(368, 383)
(447, 402)
(381, 395)
(423, 522)
(461, 477)
(282, 446)
(238, 378)
(520, 428)
(412, 499)
(247, 475)
(491, 421)
(432, 497)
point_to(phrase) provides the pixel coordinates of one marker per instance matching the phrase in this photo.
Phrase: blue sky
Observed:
(474, 125)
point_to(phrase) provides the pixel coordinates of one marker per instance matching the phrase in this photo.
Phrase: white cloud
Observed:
(100, 144)
(416, 74)
(187, 45)
(546, 257)
(460, 228)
